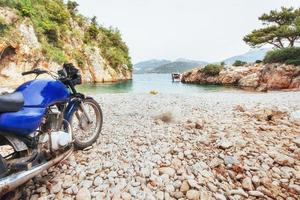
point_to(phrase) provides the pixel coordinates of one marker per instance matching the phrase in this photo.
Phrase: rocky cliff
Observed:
(30, 40)
(261, 77)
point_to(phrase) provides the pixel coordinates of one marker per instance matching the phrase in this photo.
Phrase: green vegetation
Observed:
(238, 63)
(286, 55)
(282, 29)
(52, 22)
(3, 27)
(212, 69)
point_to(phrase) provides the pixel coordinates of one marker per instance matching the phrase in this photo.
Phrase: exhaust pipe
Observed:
(13, 181)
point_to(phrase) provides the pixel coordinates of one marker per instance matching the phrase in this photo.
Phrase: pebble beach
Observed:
(198, 146)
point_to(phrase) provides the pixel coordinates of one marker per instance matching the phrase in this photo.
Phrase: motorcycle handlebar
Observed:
(35, 71)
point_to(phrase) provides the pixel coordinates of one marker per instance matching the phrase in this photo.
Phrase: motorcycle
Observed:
(41, 123)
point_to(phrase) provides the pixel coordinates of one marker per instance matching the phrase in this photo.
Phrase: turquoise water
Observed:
(144, 83)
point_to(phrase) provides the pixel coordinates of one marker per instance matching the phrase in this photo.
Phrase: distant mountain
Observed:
(249, 57)
(177, 66)
(166, 66)
(146, 66)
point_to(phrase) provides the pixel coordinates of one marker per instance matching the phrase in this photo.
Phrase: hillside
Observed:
(147, 66)
(177, 66)
(47, 33)
(166, 66)
(249, 57)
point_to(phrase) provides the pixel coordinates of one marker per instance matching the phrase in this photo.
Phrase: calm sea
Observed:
(144, 83)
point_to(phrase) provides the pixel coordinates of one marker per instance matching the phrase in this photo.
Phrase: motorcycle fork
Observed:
(85, 112)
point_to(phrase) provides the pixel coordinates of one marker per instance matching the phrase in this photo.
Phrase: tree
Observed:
(72, 7)
(238, 63)
(282, 29)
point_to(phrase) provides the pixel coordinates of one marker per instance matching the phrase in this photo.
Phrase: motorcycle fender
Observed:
(17, 144)
(72, 107)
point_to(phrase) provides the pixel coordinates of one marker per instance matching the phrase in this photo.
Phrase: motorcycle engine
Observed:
(55, 136)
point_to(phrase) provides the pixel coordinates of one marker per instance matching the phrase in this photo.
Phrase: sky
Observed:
(209, 30)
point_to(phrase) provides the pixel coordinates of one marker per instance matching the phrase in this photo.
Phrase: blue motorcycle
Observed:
(40, 124)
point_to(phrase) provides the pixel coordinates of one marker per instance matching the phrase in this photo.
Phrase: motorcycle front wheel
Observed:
(86, 129)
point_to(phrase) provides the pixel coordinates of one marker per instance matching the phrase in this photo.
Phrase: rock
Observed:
(125, 196)
(199, 124)
(295, 117)
(239, 191)
(297, 141)
(239, 108)
(215, 162)
(166, 117)
(212, 187)
(261, 76)
(231, 160)
(169, 188)
(256, 193)
(250, 81)
(199, 167)
(178, 195)
(247, 184)
(224, 143)
(193, 195)
(56, 188)
(184, 187)
(205, 195)
(83, 194)
(167, 170)
(97, 181)
(219, 196)
(284, 159)
(256, 181)
(107, 164)
(295, 187)
(67, 182)
(193, 183)
(160, 195)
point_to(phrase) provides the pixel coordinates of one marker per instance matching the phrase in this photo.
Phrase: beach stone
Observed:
(247, 184)
(199, 167)
(83, 194)
(98, 181)
(295, 187)
(230, 160)
(297, 141)
(199, 124)
(284, 159)
(219, 196)
(126, 196)
(193, 195)
(256, 193)
(295, 117)
(167, 170)
(239, 191)
(215, 162)
(56, 188)
(178, 195)
(185, 186)
(224, 143)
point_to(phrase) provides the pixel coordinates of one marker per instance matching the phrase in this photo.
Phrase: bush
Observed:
(212, 69)
(238, 63)
(3, 27)
(293, 62)
(54, 53)
(258, 61)
(286, 55)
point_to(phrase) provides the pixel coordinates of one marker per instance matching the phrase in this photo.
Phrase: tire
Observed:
(78, 114)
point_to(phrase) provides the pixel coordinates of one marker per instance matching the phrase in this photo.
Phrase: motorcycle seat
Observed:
(12, 102)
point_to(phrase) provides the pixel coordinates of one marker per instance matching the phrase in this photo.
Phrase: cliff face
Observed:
(261, 77)
(23, 47)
